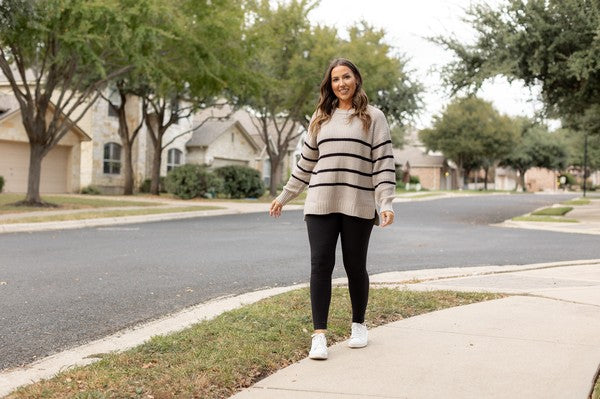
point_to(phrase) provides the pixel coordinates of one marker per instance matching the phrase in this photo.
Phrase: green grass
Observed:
(105, 214)
(578, 201)
(66, 202)
(216, 358)
(553, 211)
(542, 218)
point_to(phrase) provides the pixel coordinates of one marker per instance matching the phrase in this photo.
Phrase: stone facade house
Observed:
(222, 142)
(61, 170)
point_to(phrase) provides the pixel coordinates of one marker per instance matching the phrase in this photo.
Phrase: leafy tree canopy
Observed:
(551, 43)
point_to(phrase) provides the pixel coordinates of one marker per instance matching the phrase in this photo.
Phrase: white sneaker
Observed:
(318, 349)
(359, 336)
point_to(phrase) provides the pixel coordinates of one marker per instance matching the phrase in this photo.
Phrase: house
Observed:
(434, 171)
(222, 142)
(92, 154)
(536, 179)
(251, 124)
(61, 170)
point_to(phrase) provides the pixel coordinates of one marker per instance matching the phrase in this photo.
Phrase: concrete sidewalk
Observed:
(542, 342)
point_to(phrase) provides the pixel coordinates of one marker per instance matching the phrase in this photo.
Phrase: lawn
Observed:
(66, 202)
(216, 358)
(553, 211)
(105, 214)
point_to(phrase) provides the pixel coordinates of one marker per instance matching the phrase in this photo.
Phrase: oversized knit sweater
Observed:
(347, 170)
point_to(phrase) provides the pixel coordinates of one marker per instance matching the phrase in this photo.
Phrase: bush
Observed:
(414, 180)
(191, 181)
(1, 183)
(570, 180)
(90, 190)
(145, 186)
(241, 181)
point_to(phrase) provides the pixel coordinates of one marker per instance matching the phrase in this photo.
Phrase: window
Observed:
(112, 159)
(174, 157)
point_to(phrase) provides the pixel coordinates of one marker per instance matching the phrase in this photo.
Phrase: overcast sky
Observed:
(407, 23)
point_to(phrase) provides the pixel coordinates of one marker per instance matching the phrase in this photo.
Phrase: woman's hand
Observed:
(387, 218)
(275, 209)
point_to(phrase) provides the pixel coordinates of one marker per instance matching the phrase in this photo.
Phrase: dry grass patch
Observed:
(105, 214)
(216, 358)
(66, 202)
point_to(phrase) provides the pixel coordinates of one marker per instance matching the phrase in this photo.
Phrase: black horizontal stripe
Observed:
(297, 178)
(342, 184)
(302, 169)
(345, 154)
(306, 144)
(384, 157)
(308, 159)
(345, 139)
(381, 144)
(342, 170)
(385, 182)
(384, 170)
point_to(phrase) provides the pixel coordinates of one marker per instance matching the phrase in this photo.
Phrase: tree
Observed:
(292, 56)
(289, 60)
(198, 61)
(574, 141)
(551, 43)
(536, 147)
(388, 83)
(52, 53)
(471, 133)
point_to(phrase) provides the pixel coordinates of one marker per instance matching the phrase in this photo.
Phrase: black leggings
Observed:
(323, 232)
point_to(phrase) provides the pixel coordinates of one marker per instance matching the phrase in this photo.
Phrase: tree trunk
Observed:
(275, 177)
(486, 178)
(36, 155)
(127, 168)
(466, 177)
(522, 178)
(156, 161)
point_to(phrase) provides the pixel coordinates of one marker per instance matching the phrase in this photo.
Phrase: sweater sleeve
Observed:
(302, 172)
(384, 172)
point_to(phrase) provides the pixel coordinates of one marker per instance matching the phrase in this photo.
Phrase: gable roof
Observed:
(206, 133)
(10, 106)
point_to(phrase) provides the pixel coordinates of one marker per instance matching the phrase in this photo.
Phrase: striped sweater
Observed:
(346, 169)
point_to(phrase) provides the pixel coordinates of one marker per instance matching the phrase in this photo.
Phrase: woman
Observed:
(348, 166)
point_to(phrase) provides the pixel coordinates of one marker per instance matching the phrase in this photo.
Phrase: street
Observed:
(65, 288)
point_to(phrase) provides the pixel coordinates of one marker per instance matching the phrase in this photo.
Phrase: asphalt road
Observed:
(65, 288)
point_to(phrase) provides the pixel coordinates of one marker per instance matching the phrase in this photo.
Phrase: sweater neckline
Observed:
(345, 111)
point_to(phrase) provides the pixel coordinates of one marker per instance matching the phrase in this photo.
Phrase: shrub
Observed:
(241, 181)
(90, 190)
(1, 183)
(570, 180)
(414, 180)
(145, 186)
(399, 174)
(191, 181)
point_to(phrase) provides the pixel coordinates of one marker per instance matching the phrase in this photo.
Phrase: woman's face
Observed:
(343, 83)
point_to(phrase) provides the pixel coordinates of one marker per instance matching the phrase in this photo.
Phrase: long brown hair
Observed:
(328, 101)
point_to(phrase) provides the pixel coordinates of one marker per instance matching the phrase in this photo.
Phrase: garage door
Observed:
(14, 166)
